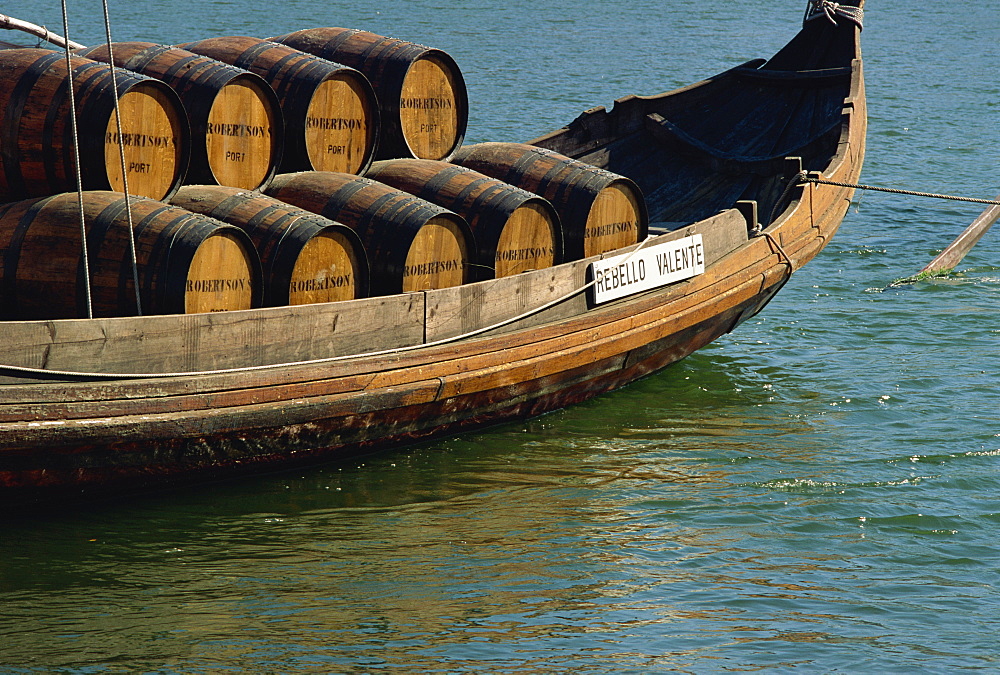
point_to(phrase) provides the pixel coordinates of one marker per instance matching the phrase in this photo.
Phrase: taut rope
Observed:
(895, 191)
(121, 154)
(803, 178)
(76, 164)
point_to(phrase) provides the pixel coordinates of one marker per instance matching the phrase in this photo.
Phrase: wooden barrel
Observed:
(187, 263)
(306, 258)
(36, 138)
(515, 230)
(236, 124)
(421, 92)
(412, 245)
(330, 110)
(600, 211)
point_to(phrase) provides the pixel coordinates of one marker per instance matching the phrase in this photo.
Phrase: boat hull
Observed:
(182, 447)
(97, 407)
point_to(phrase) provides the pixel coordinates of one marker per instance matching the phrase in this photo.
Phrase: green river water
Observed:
(817, 492)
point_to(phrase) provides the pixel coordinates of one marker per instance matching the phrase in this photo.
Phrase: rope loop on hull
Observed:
(831, 10)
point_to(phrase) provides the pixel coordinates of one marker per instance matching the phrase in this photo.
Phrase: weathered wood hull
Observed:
(177, 403)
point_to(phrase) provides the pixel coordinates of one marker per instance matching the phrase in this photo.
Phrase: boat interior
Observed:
(701, 149)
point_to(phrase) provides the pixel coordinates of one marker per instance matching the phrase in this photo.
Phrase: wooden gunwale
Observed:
(680, 297)
(626, 333)
(66, 391)
(443, 360)
(594, 318)
(201, 420)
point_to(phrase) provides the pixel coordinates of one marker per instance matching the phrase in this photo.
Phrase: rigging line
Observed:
(897, 191)
(76, 164)
(121, 154)
(329, 359)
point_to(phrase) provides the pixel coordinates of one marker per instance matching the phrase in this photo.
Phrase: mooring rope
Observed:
(896, 191)
(803, 178)
(831, 10)
(121, 154)
(76, 163)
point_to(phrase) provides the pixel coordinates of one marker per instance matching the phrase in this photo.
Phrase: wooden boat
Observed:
(92, 407)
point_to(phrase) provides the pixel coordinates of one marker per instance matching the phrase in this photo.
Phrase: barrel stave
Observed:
(306, 258)
(600, 211)
(411, 243)
(330, 110)
(235, 117)
(421, 92)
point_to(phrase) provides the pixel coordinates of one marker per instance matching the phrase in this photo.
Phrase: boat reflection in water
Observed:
(528, 534)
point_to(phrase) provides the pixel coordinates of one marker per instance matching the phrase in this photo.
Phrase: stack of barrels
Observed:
(318, 166)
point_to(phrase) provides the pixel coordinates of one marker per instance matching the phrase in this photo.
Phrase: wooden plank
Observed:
(722, 234)
(196, 342)
(462, 309)
(152, 428)
(623, 330)
(459, 310)
(71, 400)
(676, 297)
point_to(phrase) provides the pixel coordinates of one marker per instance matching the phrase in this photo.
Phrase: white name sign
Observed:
(649, 268)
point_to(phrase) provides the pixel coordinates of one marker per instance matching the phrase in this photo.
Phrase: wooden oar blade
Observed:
(954, 252)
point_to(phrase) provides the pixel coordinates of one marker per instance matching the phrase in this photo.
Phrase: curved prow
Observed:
(698, 150)
(828, 39)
